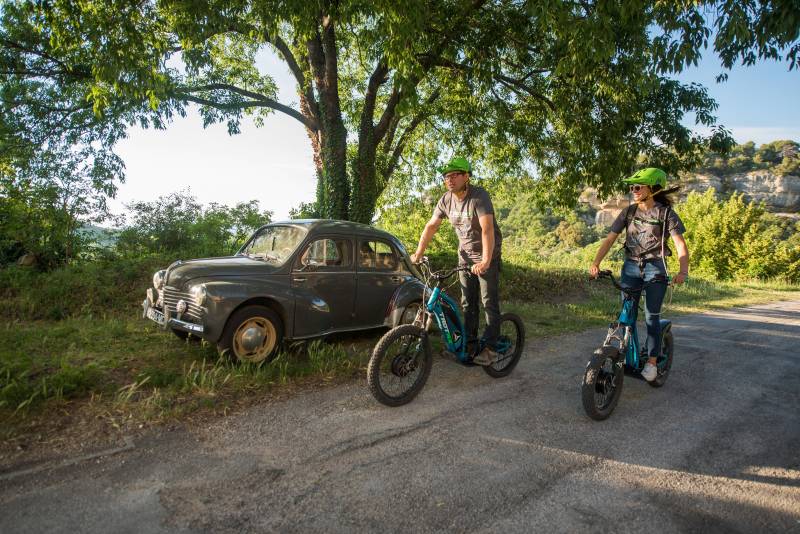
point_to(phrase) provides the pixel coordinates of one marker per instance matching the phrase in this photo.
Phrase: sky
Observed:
(273, 165)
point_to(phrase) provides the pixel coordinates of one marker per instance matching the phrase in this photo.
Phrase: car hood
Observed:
(182, 271)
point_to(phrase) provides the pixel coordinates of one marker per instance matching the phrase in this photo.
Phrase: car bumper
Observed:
(165, 321)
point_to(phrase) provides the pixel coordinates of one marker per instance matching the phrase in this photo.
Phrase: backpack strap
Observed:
(629, 213)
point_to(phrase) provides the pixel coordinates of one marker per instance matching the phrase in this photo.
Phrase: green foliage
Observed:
(779, 157)
(177, 224)
(407, 219)
(89, 288)
(577, 93)
(735, 239)
(45, 203)
(57, 165)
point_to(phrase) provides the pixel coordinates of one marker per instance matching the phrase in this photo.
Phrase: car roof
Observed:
(332, 225)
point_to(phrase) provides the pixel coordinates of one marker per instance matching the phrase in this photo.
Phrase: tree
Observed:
(574, 92)
(57, 165)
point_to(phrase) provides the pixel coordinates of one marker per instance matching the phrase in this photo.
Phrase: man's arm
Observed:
(425, 238)
(487, 243)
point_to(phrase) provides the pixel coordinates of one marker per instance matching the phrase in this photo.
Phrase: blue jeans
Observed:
(634, 276)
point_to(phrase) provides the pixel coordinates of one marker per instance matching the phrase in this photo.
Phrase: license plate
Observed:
(155, 315)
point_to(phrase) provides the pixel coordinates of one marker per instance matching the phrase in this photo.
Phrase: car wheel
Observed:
(410, 313)
(253, 334)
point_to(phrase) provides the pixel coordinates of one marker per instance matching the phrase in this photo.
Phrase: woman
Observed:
(646, 223)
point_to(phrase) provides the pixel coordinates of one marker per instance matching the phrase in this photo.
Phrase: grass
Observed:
(129, 367)
(97, 355)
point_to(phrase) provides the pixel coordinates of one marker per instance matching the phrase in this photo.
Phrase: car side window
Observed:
(377, 255)
(325, 254)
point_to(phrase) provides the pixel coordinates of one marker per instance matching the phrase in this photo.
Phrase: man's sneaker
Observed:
(650, 372)
(486, 357)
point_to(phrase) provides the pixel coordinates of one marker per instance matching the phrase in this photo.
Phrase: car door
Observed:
(324, 283)
(380, 273)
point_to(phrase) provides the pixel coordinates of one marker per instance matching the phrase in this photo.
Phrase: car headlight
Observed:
(198, 294)
(158, 278)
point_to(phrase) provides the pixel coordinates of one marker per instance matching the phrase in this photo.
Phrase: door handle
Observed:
(299, 279)
(397, 279)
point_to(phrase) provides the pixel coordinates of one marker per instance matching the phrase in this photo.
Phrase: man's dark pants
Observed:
(488, 283)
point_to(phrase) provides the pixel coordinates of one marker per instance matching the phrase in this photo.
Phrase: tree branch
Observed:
(514, 84)
(305, 88)
(316, 60)
(388, 114)
(257, 100)
(415, 122)
(387, 142)
(377, 79)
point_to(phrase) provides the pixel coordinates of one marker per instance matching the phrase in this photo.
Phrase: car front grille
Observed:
(171, 298)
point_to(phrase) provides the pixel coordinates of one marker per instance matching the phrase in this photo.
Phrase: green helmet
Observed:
(456, 164)
(649, 176)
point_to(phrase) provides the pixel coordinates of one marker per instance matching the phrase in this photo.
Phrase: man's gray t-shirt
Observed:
(644, 233)
(463, 215)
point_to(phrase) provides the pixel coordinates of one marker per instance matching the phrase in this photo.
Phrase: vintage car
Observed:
(291, 280)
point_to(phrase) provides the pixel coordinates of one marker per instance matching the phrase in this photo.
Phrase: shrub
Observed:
(735, 239)
(179, 225)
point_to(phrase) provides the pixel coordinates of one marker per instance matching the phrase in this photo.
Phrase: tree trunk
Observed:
(333, 189)
(365, 191)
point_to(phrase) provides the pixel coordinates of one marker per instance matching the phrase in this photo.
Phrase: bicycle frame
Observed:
(627, 317)
(629, 341)
(452, 334)
(447, 314)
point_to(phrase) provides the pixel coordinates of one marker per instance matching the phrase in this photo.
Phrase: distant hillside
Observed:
(97, 235)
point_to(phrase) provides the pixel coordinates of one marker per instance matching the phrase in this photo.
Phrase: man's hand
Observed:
(594, 270)
(679, 278)
(480, 268)
(415, 258)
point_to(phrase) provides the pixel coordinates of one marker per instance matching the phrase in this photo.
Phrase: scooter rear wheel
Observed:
(510, 344)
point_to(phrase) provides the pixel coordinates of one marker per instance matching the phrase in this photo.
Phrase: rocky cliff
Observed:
(780, 194)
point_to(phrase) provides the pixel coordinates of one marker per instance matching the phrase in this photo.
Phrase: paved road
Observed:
(716, 450)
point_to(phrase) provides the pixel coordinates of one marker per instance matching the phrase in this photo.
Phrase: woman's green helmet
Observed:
(649, 176)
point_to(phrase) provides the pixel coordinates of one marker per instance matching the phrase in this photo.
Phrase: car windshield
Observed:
(274, 243)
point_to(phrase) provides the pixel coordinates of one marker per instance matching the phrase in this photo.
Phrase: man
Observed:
(470, 211)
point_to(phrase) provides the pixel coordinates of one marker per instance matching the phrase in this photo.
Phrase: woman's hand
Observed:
(594, 270)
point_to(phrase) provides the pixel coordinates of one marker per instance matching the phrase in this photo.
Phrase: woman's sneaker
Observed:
(650, 372)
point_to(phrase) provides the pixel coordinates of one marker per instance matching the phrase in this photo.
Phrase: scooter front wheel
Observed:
(602, 383)
(399, 365)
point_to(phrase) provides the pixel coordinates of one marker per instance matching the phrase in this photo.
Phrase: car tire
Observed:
(410, 313)
(252, 334)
